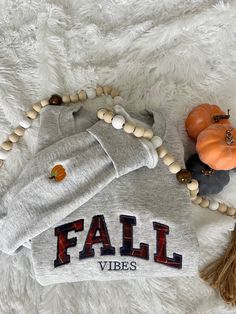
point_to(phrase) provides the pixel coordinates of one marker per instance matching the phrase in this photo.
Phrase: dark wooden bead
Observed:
(55, 100)
(184, 176)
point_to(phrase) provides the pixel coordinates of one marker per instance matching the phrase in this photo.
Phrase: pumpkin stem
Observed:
(229, 137)
(209, 172)
(217, 118)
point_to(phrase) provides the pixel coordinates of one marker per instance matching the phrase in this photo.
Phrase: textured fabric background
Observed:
(175, 53)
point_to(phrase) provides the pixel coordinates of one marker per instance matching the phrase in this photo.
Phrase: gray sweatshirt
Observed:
(118, 214)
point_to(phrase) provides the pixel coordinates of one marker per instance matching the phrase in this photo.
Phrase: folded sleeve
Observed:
(92, 159)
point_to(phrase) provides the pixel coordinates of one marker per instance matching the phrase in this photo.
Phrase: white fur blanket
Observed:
(176, 53)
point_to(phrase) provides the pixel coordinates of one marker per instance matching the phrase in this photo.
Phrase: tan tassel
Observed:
(221, 274)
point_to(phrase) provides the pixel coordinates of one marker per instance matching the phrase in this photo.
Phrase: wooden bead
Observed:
(55, 100)
(148, 134)
(100, 113)
(25, 123)
(44, 102)
(231, 211)
(108, 116)
(204, 203)
(66, 99)
(118, 121)
(37, 107)
(91, 93)
(193, 197)
(3, 154)
(214, 205)
(222, 208)
(32, 114)
(139, 131)
(192, 185)
(114, 92)
(174, 167)
(198, 200)
(14, 137)
(129, 127)
(82, 95)
(74, 98)
(184, 176)
(107, 89)
(168, 159)
(194, 192)
(156, 141)
(118, 100)
(1, 163)
(162, 151)
(7, 145)
(19, 131)
(99, 91)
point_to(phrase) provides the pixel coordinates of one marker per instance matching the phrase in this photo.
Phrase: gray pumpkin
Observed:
(210, 181)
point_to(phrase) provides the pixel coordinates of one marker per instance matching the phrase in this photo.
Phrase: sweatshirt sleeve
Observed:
(92, 159)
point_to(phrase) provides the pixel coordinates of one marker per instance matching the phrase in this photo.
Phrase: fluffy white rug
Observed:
(175, 53)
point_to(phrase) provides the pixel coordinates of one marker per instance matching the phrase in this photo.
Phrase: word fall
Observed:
(98, 226)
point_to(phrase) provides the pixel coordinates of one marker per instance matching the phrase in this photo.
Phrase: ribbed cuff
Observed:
(127, 152)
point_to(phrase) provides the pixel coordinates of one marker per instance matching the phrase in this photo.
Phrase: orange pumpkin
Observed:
(58, 173)
(203, 116)
(216, 147)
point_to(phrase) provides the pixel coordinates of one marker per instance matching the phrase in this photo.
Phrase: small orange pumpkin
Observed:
(58, 173)
(216, 147)
(203, 116)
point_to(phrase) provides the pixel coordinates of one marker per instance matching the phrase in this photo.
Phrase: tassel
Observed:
(221, 274)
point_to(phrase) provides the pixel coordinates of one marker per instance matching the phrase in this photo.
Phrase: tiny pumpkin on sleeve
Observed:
(58, 173)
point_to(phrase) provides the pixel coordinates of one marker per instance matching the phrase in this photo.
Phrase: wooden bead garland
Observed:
(182, 175)
(55, 100)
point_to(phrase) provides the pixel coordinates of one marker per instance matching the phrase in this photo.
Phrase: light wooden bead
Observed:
(118, 100)
(32, 114)
(44, 102)
(231, 211)
(114, 92)
(139, 131)
(3, 154)
(194, 192)
(82, 95)
(107, 89)
(19, 131)
(193, 197)
(74, 98)
(198, 200)
(156, 141)
(192, 185)
(129, 127)
(37, 107)
(214, 205)
(25, 123)
(118, 121)
(174, 167)
(1, 163)
(222, 208)
(91, 93)
(108, 116)
(99, 91)
(14, 137)
(162, 151)
(148, 134)
(100, 113)
(66, 99)
(168, 159)
(204, 203)
(7, 145)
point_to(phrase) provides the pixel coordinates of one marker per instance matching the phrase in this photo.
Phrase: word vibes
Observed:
(98, 233)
